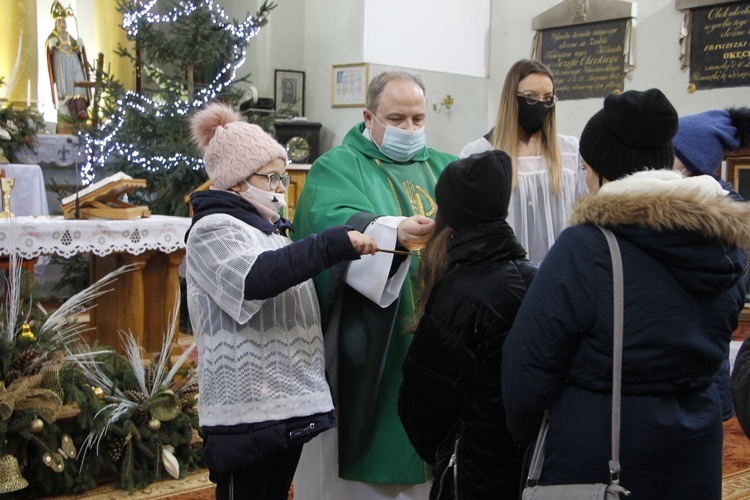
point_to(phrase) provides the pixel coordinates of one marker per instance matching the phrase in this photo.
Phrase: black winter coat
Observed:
(450, 401)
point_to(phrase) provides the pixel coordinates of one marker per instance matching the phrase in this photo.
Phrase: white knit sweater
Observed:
(258, 360)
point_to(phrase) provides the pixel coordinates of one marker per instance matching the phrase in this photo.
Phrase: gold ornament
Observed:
(154, 424)
(37, 425)
(165, 406)
(27, 334)
(98, 392)
(691, 88)
(10, 475)
(54, 461)
(67, 448)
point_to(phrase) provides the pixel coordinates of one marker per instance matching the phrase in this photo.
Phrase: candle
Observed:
(28, 93)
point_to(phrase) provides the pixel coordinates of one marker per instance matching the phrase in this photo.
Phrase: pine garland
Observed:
(64, 365)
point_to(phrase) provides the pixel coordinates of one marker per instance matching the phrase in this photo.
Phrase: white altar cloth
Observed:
(34, 236)
(54, 149)
(29, 195)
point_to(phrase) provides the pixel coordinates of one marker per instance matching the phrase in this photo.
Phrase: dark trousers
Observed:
(266, 480)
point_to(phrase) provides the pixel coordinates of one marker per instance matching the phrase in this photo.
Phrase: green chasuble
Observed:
(354, 184)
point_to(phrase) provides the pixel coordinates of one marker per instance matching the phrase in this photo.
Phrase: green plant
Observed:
(21, 126)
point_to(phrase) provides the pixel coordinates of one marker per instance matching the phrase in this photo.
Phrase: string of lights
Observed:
(99, 149)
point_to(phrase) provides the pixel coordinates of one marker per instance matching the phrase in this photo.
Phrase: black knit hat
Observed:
(475, 190)
(632, 132)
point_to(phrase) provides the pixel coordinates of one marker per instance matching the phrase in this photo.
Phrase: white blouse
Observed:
(536, 214)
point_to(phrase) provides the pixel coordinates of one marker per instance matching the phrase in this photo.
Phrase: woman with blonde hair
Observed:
(547, 172)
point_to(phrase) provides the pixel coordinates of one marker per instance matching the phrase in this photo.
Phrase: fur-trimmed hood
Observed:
(689, 224)
(663, 200)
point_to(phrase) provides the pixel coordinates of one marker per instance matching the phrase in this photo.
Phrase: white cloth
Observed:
(369, 274)
(259, 359)
(536, 214)
(29, 195)
(54, 149)
(318, 478)
(30, 237)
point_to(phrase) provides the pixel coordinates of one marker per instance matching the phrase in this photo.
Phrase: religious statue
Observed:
(66, 62)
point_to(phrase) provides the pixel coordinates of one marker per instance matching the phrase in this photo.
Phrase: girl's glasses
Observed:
(274, 179)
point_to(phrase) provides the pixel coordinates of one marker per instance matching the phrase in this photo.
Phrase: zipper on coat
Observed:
(303, 431)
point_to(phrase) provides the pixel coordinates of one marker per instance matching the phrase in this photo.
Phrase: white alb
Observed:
(536, 214)
(258, 360)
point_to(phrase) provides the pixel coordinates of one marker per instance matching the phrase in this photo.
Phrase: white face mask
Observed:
(268, 199)
(399, 144)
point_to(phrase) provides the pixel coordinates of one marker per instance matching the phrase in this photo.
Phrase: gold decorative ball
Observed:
(98, 392)
(37, 425)
(154, 424)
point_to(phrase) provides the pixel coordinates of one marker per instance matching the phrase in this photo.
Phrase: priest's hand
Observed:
(363, 244)
(414, 231)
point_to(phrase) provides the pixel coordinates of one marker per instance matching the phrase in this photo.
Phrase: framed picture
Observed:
(741, 179)
(348, 85)
(289, 92)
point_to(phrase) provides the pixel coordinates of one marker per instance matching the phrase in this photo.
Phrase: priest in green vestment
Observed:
(380, 181)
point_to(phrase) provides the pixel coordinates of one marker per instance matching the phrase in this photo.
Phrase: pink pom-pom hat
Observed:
(232, 148)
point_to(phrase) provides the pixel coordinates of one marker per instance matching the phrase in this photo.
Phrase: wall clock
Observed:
(298, 149)
(300, 138)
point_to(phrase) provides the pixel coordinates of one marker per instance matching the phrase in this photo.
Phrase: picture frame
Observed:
(349, 85)
(289, 92)
(741, 178)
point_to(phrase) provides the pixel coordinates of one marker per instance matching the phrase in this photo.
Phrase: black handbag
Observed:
(596, 491)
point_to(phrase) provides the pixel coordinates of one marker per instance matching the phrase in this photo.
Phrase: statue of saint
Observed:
(66, 62)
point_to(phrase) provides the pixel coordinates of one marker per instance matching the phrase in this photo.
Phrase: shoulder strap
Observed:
(537, 458)
(617, 290)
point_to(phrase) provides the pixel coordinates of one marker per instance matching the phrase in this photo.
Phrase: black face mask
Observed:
(531, 116)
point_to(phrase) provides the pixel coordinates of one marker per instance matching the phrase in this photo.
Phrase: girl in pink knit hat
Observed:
(254, 311)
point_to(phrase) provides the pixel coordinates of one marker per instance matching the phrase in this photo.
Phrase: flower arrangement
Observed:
(73, 416)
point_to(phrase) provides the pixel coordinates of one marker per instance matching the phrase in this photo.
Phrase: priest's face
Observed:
(402, 105)
(61, 25)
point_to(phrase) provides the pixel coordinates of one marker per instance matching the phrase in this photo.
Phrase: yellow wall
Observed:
(107, 36)
(18, 16)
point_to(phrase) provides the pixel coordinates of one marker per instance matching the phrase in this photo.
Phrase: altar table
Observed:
(142, 300)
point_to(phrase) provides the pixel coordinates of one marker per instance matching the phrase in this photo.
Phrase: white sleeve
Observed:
(479, 146)
(369, 275)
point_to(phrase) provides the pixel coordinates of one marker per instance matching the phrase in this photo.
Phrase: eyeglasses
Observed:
(274, 179)
(533, 98)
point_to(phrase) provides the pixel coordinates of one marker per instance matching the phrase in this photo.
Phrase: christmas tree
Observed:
(184, 57)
